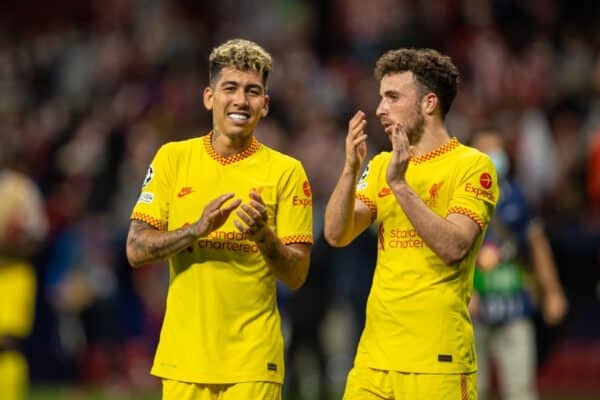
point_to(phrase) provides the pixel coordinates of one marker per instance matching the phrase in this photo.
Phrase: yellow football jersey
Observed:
(21, 212)
(17, 298)
(221, 323)
(417, 319)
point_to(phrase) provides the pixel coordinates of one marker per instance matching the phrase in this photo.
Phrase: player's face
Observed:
(401, 104)
(238, 101)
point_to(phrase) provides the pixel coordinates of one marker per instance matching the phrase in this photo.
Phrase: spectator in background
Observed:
(501, 305)
(23, 226)
(432, 198)
(221, 336)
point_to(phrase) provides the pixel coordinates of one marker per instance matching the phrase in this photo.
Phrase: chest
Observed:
(197, 184)
(433, 184)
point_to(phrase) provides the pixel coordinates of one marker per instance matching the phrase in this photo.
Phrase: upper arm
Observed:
(133, 245)
(363, 216)
(303, 249)
(466, 227)
(537, 239)
(365, 206)
(301, 252)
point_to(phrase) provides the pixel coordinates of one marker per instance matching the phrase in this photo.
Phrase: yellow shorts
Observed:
(366, 383)
(176, 390)
(13, 375)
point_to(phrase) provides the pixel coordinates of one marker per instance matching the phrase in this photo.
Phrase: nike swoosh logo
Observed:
(384, 192)
(184, 191)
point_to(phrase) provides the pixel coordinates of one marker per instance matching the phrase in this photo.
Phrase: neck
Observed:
(434, 136)
(226, 145)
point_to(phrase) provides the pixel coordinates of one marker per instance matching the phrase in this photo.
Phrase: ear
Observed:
(208, 98)
(430, 103)
(265, 110)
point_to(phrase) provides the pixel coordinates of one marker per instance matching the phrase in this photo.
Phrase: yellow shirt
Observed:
(222, 324)
(17, 298)
(21, 212)
(417, 319)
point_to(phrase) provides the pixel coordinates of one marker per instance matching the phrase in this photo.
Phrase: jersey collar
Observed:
(443, 149)
(253, 148)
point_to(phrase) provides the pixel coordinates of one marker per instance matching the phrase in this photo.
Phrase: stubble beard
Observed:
(415, 132)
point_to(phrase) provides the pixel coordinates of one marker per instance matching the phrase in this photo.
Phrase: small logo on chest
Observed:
(385, 191)
(184, 191)
(434, 192)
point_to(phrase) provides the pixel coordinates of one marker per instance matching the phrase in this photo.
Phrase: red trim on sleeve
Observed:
(297, 239)
(468, 213)
(149, 220)
(369, 204)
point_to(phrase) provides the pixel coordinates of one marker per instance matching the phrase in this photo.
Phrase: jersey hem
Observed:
(215, 380)
(416, 370)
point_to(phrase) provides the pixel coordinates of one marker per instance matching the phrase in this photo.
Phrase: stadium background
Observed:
(90, 89)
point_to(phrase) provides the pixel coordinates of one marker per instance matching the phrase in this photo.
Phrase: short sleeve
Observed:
(152, 206)
(294, 208)
(476, 192)
(366, 187)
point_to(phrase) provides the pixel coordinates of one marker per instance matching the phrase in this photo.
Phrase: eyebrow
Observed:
(236, 83)
(391, 92)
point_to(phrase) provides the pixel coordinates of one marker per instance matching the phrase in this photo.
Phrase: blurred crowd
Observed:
(90, 90)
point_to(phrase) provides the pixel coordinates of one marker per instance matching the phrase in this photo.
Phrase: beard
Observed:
(415, 131)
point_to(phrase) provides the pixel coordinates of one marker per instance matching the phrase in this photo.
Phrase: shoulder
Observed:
(371, 170)
(469, 159)
(380, 158)
(471, 155)
(170, 152)
(281, 159)
(181, 145)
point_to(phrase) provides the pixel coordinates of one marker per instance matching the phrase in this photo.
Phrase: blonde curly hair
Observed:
(242, 55)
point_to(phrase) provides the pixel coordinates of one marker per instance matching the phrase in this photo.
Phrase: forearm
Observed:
(287, 263)
(146, 245)
(447, 239)
(543, 262)
(339, 213)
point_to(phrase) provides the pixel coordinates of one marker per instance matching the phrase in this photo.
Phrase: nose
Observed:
(381, 109)
(239, 98)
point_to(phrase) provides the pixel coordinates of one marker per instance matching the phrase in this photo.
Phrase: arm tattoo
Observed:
(287, 263)
(146, 244)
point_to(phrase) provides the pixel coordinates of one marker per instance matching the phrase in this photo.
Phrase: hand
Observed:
(401, 153)
(356, 141)
(215, 214)
(254, 217)
(554, 307)
(489, 257)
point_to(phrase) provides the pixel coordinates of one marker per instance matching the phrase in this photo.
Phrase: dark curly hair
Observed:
(433, 71)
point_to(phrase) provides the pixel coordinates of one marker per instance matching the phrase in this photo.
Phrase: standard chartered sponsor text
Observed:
(232, 241)
(404, 238)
